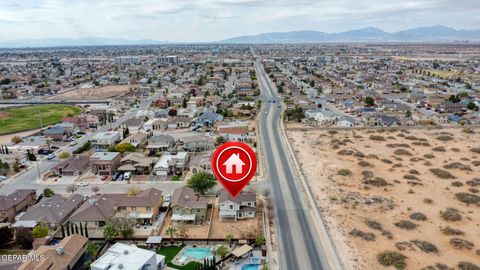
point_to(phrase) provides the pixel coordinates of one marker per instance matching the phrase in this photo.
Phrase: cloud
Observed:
(210, 20)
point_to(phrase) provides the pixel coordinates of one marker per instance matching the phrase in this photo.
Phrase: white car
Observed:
(167, 198)
(82, 184)
(72, 143)
(3, 178)
(51, 156)
(127, 175)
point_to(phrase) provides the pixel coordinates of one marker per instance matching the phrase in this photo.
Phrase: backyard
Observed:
(169, 252)
(31, 117)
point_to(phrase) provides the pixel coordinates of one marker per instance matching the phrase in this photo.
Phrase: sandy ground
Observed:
(7, 139)
(403, 161)
(246, 228)
(93, 93)
(191, 230)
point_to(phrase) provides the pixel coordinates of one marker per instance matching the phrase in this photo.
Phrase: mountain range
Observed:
(437, 33)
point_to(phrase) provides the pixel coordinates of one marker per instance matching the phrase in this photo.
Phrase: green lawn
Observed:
(26, 118)
(170, 252)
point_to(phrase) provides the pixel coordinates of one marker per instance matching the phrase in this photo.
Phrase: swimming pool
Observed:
(250, 267)
(197, 253)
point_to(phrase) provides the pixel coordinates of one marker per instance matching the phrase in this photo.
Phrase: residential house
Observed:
(237, 131)
(81, 122)
(105, 163)
(160, 143)
(345, 121)
(197, 143)
(133, 124)
(241, 207)
(55, 133)
(136, 163)
(128, 257)
(171, 163)
(188, 206)
(138, 139)
(155, 124)
(322, 117)
(62, 256)
(450, 107)
(179, 122)
(208, 119)
(73, 166)
(103, 140)
(388, 121)
(16, 202)
(51, 212)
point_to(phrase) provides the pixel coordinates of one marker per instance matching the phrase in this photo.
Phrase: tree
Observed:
(312, 83)
(220, 140)
(39, 232)
(109, 232)
(221, 251)
(6, 234)
(16, 168)
(172, 112)
(202, 182)
(64, 155)
(92, 249)
(23, 237)
(408, 114)
(369, 102)
(124, 147)
(126, 132)
(16, 140)
(124, 226)
(171, 232)
(48, 192)
(472, 106)
(184, 103)
(229, 239)
(260, 240)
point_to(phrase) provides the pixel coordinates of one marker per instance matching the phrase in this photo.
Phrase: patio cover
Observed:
(140, 215)
(239, 252)
(25, 223)
(154, 240)
(177, 217)
(126, 168)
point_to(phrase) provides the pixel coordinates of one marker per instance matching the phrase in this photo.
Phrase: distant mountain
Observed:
(66, 42)
(370, 34)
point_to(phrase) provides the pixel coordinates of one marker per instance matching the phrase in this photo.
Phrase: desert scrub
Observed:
(441, 173)
(402, 152)
(367, 236)
(344, 172)
(429, 156)
(377, 138)
(439, 149)
(458, 166)
(473, 190)
(410, 177)
(420, 143)
(374, 225)
(467, 266)
(332, 132)
(468, 130)
(475, 182)
(413, 171)
(456, 184)
(475, 150)
(367, 174)
(376, 182)
(451, 214)
(476, 163)
(404, 246)
(459, 243)
(447, 230)
(346, 152)
(406, 225)
(427, 201)
(445, 138)
(392, 258)
(468, 198)
(359, 154)
(364, 163)
(387, 161)
(418, 216)
(425, 246)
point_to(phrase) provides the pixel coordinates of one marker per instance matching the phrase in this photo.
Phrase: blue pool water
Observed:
(250, 267)
(197, 253)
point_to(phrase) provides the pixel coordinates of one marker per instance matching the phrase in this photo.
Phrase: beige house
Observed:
(188, 206)
(16, 202)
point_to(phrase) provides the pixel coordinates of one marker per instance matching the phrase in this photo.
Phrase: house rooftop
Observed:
(105, 156)
(123, 256)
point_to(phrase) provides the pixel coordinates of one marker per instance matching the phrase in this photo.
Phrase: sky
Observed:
(214, 20)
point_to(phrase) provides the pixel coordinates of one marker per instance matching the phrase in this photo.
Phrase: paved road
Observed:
(27, 178)
(298, 241)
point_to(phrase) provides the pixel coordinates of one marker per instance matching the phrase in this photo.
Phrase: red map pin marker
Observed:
(234, 164)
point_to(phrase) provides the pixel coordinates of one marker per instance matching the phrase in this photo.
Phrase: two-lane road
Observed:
(299, 247)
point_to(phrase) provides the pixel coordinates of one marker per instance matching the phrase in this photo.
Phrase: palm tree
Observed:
(229, 239)
(171, 232)
(221, 251)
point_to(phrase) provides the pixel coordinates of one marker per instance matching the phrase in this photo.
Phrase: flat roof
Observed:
(105, 155)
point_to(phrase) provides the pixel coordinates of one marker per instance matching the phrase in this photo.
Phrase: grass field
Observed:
(25, 118)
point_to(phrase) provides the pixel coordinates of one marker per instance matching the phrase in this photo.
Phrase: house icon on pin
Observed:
(234, 160)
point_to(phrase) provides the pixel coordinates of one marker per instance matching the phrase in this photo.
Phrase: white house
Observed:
(171, 163)
(128, 257)
(241, 207)
(103, 140)
(346, 121)
(322, 117)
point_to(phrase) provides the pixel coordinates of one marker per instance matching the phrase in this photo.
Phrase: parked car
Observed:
(120, 177)
(73, 142)
(82, 184)
(127, 175)
(103, 178)
(116, 175)
(54, 147)
(3, 178)
(51, 156)
(44, 152)
(167, 198)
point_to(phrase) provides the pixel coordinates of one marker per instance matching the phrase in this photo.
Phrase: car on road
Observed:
(44, 152)
(274, 101)
(127, 175)
(82, 184)
(3, 178)
(103, 178)
(72, 143)
(54, 147)
(51, 156)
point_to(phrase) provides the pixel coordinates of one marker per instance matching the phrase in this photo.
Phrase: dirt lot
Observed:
(390, 190)
(189, 230)
(94, 93)
(247, 228)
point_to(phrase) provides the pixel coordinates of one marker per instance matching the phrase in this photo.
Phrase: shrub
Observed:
(467, 198)
(441, 173)
(461, 243)
(447, 230)
(451, 214)
(39, 232)
(445, 138)
(475, 150)
(418, 216)
(458, 165)
(64, 155)
(473, 190)
(406, 224)
(468, 130)
(376, 182)
(346, 152)
(429, 156)
(413, 171)
(467, 266)
(392, 258)
(387, 161)
(410, 177)
(428, 201)
(439, 149)
(359, 154)
(457, 184)
(344, 172)
(425, 246)
(364, 163)
(367, 174)
(374, 225)
(368, 236)
(377, 138)
(474, 182)
(402, 152)
(404, 245)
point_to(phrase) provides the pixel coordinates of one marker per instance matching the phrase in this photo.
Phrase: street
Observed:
(298, 242)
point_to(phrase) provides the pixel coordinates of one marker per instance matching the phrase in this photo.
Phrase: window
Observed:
(149, 208)
(231, 206)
